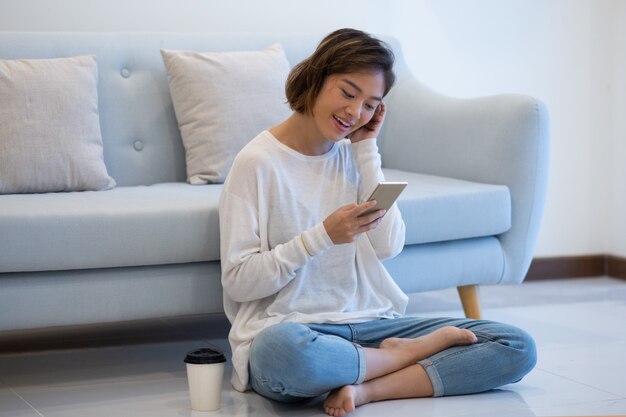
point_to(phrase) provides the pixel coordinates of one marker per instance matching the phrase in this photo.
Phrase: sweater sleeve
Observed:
(369, 164)
(388, 238)
(250, 271)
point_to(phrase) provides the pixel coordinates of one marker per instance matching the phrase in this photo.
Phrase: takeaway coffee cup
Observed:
(205, 369)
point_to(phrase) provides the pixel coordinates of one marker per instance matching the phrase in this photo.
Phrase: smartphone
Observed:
(385, 194)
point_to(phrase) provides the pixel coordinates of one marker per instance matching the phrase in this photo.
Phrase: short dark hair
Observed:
(341, 52)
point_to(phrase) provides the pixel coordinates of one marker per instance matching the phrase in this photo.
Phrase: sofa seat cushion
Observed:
(437, 209)
(126, 226)
(178, 223)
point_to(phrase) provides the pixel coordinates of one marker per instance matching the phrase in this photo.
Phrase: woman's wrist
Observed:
(361, 139)
(315, 240)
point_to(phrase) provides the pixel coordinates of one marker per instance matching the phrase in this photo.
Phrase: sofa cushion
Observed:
(437, 209)
(50, 136)
(222, 100)
(126, 226)
(178, 223)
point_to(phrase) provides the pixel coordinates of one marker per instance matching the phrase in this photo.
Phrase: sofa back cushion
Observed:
(142, 143)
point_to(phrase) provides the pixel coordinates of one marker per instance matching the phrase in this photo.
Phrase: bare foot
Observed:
(435, 342)
(344, 400)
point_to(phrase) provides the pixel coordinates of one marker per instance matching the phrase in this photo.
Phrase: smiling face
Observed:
(347, 102)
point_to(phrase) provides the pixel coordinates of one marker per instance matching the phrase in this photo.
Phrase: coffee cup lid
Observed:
(205, 356)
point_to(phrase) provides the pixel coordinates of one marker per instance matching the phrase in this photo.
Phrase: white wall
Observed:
(186, 15)
(617, 148)
(569, 53)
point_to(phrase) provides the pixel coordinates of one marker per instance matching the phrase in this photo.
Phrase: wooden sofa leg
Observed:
(470, 300)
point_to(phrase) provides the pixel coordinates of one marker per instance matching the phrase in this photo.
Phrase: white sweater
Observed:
(273, 199)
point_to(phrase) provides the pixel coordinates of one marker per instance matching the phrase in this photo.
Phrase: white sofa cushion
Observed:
(50, 136)
(222, 100)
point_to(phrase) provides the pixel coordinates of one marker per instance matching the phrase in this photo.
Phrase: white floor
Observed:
(138, 371)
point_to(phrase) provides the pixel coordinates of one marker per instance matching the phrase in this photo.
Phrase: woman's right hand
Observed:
(346, 223)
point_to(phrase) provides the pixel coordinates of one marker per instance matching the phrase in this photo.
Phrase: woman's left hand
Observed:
(371, 129)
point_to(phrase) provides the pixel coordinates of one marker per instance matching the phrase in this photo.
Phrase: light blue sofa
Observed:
(477, 172)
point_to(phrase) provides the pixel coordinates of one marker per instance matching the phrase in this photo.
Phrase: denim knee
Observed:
(279, 362)
(518, 352)
(503, 355)
(290, 361)
(525, 357)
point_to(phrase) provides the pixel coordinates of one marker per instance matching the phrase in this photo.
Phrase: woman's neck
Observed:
(300, 133)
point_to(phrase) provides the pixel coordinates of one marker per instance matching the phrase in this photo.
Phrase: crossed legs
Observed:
(417, 357)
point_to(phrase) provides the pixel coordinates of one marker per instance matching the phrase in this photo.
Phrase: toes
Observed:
(335, 412)
(470, 336)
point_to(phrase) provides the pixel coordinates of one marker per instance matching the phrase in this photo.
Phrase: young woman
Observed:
(312, 308)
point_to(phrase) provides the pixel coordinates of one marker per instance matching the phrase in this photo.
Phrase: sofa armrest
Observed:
(501, 139)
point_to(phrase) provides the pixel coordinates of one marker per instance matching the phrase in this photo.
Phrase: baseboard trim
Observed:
(577, 267)
(616, 267)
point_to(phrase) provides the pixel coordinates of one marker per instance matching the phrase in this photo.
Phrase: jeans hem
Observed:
(361, 372)
(435, 379)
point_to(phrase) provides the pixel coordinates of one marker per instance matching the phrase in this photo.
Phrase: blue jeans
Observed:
(292, 361)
